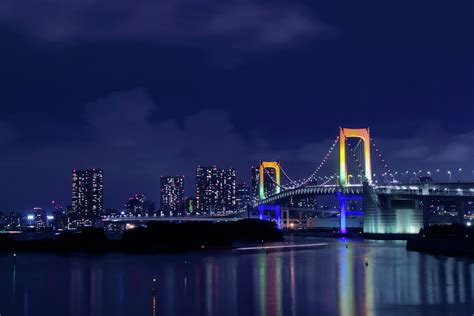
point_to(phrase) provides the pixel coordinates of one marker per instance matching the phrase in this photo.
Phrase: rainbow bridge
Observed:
(390, 207)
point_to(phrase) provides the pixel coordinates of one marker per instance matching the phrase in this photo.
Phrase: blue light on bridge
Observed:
(276, 208)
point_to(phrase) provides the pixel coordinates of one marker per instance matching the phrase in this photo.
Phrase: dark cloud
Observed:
(121, 118)
(243, 24)
(7, 133)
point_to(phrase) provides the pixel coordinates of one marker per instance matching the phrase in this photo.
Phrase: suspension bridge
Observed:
(388, 207)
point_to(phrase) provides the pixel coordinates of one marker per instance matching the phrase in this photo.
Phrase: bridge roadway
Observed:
(133, 219)
(462, 190)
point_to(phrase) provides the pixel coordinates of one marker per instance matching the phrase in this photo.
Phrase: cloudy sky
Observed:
(146, 88)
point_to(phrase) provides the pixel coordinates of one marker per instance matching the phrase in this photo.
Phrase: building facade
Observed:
(242, 197)
(215, 190)
(172, 195)
(87, 193)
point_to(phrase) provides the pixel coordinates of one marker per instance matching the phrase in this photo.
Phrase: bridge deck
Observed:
(463, 190)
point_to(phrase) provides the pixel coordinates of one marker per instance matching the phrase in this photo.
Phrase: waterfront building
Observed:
(172, 195)
(87, 194)
(242, 197)
(215, 190)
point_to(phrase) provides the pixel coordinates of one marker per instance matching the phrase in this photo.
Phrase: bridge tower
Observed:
(364, 134)
(344, 133)
(273, 208)
(268, 165)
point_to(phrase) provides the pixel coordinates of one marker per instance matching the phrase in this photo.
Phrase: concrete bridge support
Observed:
(270, 208)
(392, 214)
(342, 217)
(343, 209)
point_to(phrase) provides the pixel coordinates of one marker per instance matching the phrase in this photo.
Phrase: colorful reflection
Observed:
(346, 286)
(331, 280)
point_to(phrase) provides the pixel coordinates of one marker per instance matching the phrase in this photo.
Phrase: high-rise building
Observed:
(242, 197)
(172, 195)
(268, 185)
(207, 180)
(87, 193)
(215, 189)
(228, 188)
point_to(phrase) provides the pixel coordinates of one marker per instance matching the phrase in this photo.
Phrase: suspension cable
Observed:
(285, 174)
(385, 165)
(313, 175)
(355, 158)
(303, 182)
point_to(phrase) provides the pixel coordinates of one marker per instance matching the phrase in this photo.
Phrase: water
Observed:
(332, 280)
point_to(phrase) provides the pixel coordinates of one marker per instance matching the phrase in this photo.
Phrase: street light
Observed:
(449, 172)
(349, 179)
(459, 178)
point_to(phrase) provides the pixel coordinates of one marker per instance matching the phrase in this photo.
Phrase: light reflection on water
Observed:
(333, 280)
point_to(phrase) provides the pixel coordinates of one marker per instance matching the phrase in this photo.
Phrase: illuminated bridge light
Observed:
(273, 165)
(351, 133)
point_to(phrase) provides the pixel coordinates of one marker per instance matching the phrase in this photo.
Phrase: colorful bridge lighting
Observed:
(269, 165)
(362, 133)
(276, 208)
(343, 209)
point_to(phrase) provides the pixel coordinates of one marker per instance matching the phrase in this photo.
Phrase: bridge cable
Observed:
(322, 163)
(388, 171)
(354, 156)
(285, 174)
(304, 181)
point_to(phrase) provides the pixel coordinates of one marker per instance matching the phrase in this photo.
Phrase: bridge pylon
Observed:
(364, 134)
(269, 165)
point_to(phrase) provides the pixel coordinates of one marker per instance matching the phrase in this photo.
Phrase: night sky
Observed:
(148, 88)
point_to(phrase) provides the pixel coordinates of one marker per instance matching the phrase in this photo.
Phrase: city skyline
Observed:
(252, 182)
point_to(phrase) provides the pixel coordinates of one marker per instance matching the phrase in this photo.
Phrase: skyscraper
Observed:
(215, 189)
(228, 188)
(172, 195)
(87, 193)
(242, 197)
(206, 189)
